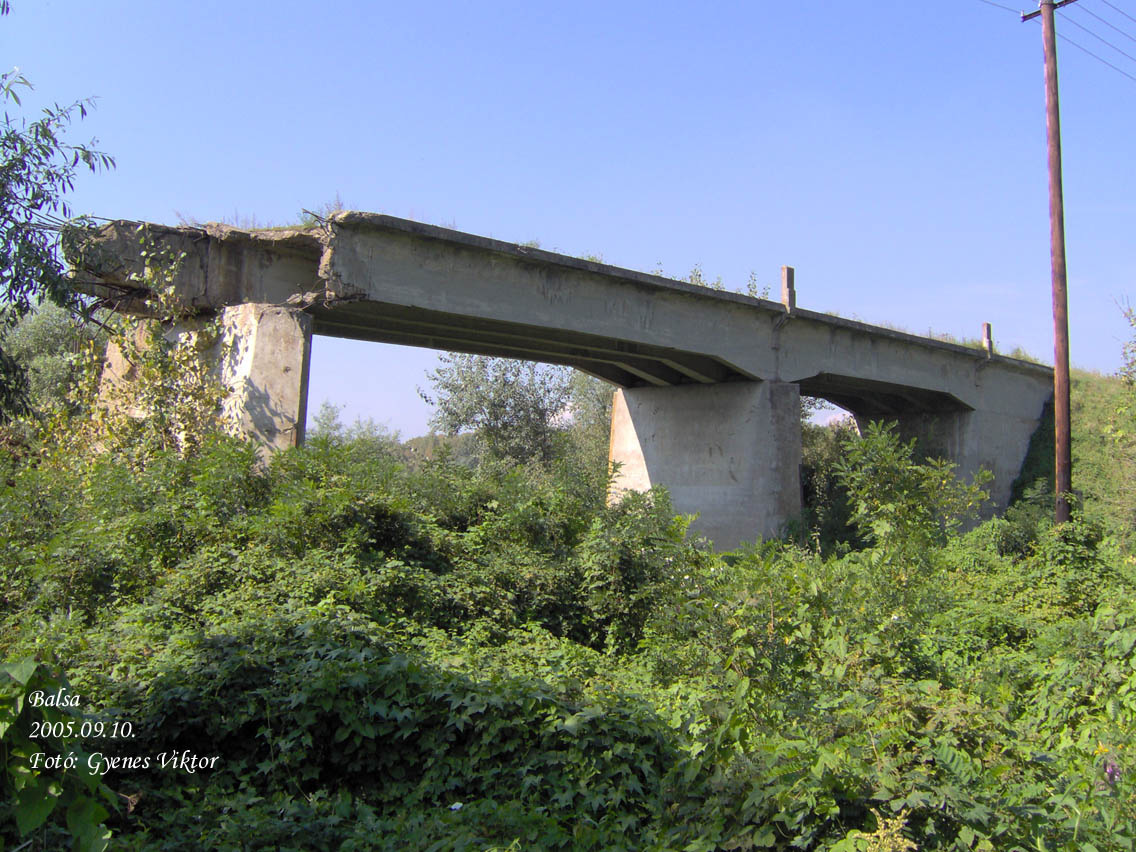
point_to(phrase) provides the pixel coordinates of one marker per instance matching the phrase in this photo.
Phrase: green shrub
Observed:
(317, 699)
(42, 805)
(827, 521)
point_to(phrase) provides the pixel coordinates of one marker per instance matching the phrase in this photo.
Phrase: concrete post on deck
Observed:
(730, 452)
(262, 356)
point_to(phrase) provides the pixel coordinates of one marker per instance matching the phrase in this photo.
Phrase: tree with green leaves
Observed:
(38, 168)
(52, 347)
(512, 406)
(902, 505)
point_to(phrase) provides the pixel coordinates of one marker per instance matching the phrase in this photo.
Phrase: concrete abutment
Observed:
(995, 441)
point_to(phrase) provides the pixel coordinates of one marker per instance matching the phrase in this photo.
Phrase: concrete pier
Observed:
(729, 453)
(261, 356)
(267, 355)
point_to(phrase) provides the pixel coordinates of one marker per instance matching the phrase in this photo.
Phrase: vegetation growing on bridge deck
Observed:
(388, 651)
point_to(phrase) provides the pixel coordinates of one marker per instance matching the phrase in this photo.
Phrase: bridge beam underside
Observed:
(620, 362)
(729, 452)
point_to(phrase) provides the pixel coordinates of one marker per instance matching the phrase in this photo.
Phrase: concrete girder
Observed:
(407, 325)
(879, 400)
(634, 370)
(217, 265)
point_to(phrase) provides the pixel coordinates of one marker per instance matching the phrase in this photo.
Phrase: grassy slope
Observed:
(1104, 463)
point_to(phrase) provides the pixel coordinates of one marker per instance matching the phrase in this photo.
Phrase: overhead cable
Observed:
(1103, 21)
(1000, 6)
(1069, 20)
(1118, 9)
(1098, 58)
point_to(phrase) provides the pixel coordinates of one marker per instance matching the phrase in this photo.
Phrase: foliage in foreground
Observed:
(461, 658)
(350, 647)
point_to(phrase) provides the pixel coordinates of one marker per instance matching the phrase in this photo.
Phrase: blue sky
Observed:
(893, 152)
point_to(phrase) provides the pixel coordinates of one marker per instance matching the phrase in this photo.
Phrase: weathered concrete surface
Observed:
(729, 453)
(217, 265)
(118, 371)
(267, 353)
(262, 356)
(373, 277)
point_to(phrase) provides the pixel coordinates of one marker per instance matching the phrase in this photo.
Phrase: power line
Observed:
(1066, 38)
(1099, 38)
(1121, 11)
(1106, 23)
(1072, 43)
(1094, 56)
(1000, 6)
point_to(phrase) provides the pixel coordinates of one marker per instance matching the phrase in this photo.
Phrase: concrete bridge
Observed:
(708, 381)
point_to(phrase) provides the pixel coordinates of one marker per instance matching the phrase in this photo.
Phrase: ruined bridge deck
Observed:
(715, 367)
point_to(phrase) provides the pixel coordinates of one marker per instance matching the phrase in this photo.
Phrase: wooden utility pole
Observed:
(1064, 460)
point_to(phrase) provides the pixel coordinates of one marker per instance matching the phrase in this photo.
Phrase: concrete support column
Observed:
(262, 355)
(267, 352)
(729, 452)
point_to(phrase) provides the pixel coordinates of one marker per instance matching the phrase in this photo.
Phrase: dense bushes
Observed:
(318, 699)
(383, 656)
